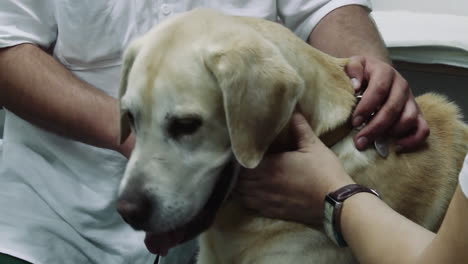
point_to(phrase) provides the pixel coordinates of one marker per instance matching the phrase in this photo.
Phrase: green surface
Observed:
(7, 259)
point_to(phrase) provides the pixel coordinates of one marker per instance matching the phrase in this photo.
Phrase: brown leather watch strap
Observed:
(347, 191)
(337, 198)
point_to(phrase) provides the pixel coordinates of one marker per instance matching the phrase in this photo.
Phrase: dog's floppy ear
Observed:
(260, 90)
(128, 59)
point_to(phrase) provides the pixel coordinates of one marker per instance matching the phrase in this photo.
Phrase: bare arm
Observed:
(40, 90)
(377, 234)
(451, 242)
(349, 31)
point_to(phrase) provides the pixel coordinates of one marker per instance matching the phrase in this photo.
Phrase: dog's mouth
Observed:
(161, 243)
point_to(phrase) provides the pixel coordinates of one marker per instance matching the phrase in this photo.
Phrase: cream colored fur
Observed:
(245, 77)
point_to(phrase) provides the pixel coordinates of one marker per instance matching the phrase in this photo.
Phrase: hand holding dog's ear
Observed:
(292, 185)
(389, 96)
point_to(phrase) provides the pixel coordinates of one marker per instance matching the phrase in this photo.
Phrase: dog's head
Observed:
(196, 107)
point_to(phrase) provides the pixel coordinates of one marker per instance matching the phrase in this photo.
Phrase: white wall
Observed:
(454, 7)
(395, 30)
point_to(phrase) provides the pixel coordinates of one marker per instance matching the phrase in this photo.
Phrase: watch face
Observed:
(328, 220)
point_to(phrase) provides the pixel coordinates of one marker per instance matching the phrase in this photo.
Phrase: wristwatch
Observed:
(332, 210)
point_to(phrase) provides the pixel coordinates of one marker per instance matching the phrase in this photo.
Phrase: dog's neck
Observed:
(330, 138)
(327, 102)
(328, 99)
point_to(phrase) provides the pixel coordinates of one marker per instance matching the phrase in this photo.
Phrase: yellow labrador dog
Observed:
(205, 92)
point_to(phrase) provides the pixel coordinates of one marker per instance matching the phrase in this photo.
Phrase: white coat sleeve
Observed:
(27, 21)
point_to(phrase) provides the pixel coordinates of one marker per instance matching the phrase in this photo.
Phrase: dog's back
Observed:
(418, 185)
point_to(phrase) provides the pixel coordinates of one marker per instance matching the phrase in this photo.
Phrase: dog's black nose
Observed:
(135, 210)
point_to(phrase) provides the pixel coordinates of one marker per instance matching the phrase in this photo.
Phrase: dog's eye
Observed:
(183, 126)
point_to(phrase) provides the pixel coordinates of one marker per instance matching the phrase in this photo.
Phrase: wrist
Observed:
(333, 206)
(337, 182)
(332, 184)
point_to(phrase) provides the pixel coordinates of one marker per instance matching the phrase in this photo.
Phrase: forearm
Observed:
(349, 31)
(377, 234)
(40, 90)
(451, 242)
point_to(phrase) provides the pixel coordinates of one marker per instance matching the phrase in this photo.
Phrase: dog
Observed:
(206, 93)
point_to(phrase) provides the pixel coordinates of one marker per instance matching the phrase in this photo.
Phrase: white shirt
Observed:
(463, 178)
(57, 195)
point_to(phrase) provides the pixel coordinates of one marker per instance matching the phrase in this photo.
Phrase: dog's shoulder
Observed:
(445, 121)
(438, 107)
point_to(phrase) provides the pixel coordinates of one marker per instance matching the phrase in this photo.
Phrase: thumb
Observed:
(303, 133)
(355, 71)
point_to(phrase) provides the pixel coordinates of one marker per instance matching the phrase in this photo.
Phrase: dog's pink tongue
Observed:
(161, 243)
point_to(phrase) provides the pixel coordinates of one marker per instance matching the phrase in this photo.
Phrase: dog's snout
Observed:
(136, 211)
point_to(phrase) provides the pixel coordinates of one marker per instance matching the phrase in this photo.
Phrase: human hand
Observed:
(292, 185)
(389, 96)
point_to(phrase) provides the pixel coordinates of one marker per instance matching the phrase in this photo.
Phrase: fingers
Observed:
(260, 172)
(258, 191)
(414, 139)
(408, 120)
(387, 115)
(355, 70)
(266, 204)
(388, 103)
(265, 173)
(412, 129)
(302, 131)
(375, 95)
